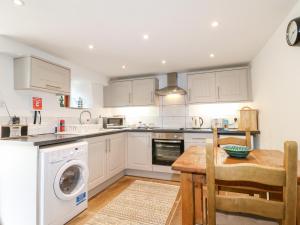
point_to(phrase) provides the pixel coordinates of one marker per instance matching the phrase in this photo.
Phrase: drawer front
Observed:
(197, 137)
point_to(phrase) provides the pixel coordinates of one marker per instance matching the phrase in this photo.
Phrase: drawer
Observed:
(197, 137)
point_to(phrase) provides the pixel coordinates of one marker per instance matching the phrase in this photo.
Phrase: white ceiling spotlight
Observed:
(124, 67)
(163, 61)
(212, 55)
(91, 47)
(215, 24)
(146, 36)
(19, 2)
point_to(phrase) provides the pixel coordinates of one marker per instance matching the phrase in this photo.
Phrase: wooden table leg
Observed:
(298, 206)
(187, 192)
(198, 188)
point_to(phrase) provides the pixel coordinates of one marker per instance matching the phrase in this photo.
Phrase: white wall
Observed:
(276, 88)
(19, 102)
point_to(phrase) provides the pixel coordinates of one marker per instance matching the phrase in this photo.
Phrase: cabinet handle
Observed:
(189, 93)
(52, 86)
(129, 98)
(152, 97)
(218, 92)
(109, 145)
(106, 145)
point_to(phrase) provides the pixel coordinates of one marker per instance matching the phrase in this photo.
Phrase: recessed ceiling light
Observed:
(19, 2)
(146, 36)
(124, 67)
(91, 47)
(163, 61)
(215, 24)
(212, 55)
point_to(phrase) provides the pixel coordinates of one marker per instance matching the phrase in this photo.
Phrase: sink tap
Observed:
(86, 120)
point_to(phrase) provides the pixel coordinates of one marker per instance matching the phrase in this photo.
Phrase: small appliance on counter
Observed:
(219, 123)
(114, 122)
(197, 122)
(14, 129)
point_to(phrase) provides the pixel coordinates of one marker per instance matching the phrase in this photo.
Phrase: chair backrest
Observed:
(231, 140)
(285, 177)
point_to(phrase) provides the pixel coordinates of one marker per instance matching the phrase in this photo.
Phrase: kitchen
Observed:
(120, 123)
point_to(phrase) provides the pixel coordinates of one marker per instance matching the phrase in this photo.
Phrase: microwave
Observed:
(13, 131)
(115, 122)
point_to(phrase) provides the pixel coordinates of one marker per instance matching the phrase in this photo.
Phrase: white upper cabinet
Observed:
(202, 88)
(120, 93)
(139, 92)
(139, 151)
(232, 85)
(37, 74)
(143, 92)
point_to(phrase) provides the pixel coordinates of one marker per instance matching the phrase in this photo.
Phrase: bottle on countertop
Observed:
(61, 125)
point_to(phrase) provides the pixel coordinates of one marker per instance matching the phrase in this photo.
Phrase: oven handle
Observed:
(167, 141)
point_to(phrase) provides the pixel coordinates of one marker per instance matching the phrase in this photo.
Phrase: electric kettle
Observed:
(197, 122)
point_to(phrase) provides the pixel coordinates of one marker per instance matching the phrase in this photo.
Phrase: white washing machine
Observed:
(63, 182)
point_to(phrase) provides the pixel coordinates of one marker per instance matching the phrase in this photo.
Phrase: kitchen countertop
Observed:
(49, 139)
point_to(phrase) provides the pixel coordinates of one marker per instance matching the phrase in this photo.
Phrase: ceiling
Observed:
(180, 31)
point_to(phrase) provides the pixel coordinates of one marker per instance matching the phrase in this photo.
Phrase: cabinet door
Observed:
(97, 161)
(232, 85)
(50, 76)
(116, 154)
(143, 92)
(120, 93)
(139, 151)
(107, 98)
(202, 88)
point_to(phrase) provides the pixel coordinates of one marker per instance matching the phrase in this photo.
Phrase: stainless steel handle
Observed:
(109, 145)
(106, 145)
(152, 97)
(53, 86)
(166, 141)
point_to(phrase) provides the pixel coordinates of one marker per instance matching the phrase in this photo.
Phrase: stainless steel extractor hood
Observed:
(172, 86)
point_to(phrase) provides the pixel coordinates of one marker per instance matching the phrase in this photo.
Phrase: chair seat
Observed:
(238, 219)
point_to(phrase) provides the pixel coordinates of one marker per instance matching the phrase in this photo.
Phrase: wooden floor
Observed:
(100, 200)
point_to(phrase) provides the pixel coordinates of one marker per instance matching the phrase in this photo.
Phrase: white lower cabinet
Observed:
(116, 154)
(97, 161)
(139, 151)
(106, 158)
(196, 139)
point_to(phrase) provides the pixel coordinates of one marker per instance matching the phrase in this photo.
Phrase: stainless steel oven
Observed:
(166, 148)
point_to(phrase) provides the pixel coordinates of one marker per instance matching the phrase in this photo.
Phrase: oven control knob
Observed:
(175, 136)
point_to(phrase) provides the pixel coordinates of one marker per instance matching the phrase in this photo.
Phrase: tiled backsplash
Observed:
(173, 112)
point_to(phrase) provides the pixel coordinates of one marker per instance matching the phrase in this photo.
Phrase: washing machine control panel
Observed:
(62, 155)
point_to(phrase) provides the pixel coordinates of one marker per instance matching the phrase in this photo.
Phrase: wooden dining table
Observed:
(192, 166)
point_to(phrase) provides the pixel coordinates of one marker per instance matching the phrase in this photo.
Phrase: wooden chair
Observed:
(286, 177)
(231, 140)
(236, 141)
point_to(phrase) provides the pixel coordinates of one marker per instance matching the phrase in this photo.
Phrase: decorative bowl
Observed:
(237, 151)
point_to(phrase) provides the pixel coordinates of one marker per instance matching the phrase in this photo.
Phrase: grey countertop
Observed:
(49, 139)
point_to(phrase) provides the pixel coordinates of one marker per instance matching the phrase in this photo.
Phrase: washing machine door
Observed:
(71, 179)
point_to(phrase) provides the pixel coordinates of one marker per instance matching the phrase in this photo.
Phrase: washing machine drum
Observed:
(71, 180)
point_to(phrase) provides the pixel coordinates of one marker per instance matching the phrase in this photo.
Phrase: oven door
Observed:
(165, 152)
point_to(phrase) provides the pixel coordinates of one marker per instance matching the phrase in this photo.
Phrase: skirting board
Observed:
(136, 173)
(106, 184)
(154, 175)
